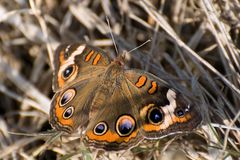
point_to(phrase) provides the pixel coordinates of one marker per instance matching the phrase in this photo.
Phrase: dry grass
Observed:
(195, 43)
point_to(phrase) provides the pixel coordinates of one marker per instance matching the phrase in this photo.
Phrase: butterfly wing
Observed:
(77, 62)
(162, 109)
(77, 69)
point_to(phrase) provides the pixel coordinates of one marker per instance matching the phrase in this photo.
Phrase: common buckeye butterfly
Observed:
(115, 107)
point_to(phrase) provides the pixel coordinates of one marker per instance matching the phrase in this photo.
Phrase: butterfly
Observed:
(115, 107)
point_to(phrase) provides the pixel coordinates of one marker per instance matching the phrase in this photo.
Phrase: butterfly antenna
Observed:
(149, 40)
(114, 43)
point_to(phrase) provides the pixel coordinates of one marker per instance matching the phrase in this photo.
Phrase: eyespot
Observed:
(68, 71)
(125, 125)
(180, 113)
(68, 112)
(100, 128)
(67, 97)
(155, 115)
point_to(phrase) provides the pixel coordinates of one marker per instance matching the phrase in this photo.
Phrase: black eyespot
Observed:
(155, 116)
(180, 113)
(100, 128)
(68, 112)
(125, 125)
(67, 97)
(68, 71)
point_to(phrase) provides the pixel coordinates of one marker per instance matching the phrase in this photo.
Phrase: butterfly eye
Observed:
(68, 71)
(155, 115)
(125, 125)
(68, 112)
(67, 97)
(100, 128)
(180, 113)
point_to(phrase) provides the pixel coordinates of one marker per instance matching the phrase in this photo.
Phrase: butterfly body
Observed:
(116, 107)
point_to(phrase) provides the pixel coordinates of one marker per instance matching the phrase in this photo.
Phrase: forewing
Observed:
(77, 62)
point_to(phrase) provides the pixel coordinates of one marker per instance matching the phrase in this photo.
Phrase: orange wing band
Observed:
(141, 81)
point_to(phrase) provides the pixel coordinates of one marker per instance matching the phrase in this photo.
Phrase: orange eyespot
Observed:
(100, 129)
(125, 125)
(67, 97)
(68, 112)
(155, 116)
(68, 72)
